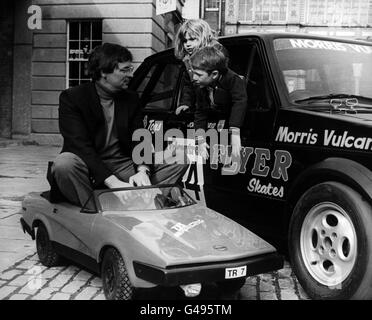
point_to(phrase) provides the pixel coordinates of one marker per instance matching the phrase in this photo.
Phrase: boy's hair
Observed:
(196, 28)
(209, 59)
(105, 58)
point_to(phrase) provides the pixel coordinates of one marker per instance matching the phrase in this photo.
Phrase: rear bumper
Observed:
(211, 272)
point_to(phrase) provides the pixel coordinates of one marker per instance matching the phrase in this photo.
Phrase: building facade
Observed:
(344, 18)
(44, 50)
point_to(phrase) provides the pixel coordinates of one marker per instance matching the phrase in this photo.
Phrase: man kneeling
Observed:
(97, 120)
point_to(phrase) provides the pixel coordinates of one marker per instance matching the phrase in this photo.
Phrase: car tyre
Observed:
(231, 285)
(116, 282)
(47, 255)
(330, 242)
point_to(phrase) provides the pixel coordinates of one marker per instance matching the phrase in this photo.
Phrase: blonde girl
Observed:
(193, 34)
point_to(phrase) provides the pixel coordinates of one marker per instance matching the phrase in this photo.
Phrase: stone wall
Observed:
(6, 64)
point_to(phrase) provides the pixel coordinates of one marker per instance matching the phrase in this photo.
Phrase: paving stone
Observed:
(96, 282)
(50, 273)
(286, 283)
(61, 296)
(285, 272)
(83, 276)
(60, 281)
(35, 257)
(19, 297)
(5, 291)
(87, 293)
(271, 295)
(9, 275)
(266, 286)
(73, 286)
(44, 294)
(266, 277)
(40, 266)
(20, 280)
(33, 286)
(100, 296)
(27, 264)
(251, 281)
(71, 270)
(248, 292)
(287, 294)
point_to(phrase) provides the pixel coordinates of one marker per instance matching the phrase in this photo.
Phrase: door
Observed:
(247, 194)
(72, 227)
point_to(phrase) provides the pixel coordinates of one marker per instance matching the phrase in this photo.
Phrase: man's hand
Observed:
(140, 179)
(113, 182)
(181, 109)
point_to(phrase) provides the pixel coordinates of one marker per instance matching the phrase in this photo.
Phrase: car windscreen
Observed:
(318, 68)
(138, 199)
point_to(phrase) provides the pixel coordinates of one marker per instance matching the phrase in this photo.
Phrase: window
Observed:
(212, 5)
(83, 36)
(158, 87)
(335, 12)
(263, 10)
(313, 67)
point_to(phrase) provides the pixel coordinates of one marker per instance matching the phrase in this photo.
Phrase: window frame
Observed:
(157, 66)
(91, 40)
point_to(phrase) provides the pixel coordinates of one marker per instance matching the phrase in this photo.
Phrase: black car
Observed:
(305, 179)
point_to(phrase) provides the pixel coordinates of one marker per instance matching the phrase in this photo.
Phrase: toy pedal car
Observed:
(147, 236)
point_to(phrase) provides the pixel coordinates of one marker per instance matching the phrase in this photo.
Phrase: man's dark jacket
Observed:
(82, 125)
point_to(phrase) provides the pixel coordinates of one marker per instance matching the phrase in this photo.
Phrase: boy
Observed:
(218, 89)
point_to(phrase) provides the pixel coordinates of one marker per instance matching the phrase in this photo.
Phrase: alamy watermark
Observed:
(173, 147)
(35, 19)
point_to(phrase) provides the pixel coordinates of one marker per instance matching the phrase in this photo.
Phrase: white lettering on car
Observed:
(330, 138)
(182, 228)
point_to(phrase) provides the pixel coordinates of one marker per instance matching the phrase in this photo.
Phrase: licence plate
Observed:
(237, 272)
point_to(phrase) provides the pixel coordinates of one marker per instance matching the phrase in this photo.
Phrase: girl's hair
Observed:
(198, 29)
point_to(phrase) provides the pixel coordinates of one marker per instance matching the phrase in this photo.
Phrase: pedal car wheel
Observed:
(47, 255)
(116, 283)
(330, 243)
(232, 285)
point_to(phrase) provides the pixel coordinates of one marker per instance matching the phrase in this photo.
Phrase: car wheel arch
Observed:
(107, 247)
(346, 171)
(37, 222)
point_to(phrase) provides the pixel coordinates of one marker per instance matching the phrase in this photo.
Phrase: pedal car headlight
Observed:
(191, 290)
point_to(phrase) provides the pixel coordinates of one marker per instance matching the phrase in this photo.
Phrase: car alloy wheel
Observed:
(328, 243)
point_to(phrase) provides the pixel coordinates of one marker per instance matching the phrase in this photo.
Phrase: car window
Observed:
(258, 90)
(245, 60)
(158, 87)
(312, 67)
(144, 199)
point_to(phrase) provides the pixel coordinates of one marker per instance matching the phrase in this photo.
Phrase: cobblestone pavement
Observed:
(22, 277)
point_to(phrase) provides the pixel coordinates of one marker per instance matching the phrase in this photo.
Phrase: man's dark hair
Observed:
(208, 59)
(105, 58)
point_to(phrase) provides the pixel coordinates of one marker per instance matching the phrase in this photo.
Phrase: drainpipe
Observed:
(220, 17)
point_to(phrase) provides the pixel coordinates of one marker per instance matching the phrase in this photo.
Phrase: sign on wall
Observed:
(164, 6)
